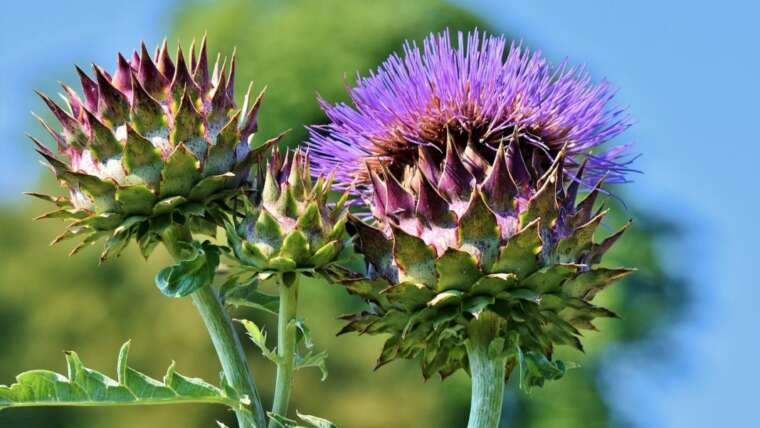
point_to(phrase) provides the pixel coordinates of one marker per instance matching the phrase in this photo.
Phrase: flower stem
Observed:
(487, 373)
(286, 347)
(223, 336)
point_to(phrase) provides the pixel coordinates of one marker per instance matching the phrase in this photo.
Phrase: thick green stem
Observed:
(231, 356)
(487, 372)
(223, 336)
(286, 347)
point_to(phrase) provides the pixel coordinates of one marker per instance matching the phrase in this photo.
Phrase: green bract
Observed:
(289, 225)
(477, 242)
(158, 142)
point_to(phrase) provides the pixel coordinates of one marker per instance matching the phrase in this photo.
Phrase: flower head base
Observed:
(157, 142)
(474, 94)
(447, 253)
(288, 225)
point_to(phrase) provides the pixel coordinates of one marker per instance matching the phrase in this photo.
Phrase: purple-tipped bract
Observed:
(483, 96)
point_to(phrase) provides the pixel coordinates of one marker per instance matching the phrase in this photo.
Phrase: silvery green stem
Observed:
(286, 348)
(223, 336)
(487, 373)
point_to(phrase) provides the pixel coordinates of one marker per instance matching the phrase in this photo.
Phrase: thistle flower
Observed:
(288, 225)
(157, 142)
(445, 254)
(481, 98)
(474, 203)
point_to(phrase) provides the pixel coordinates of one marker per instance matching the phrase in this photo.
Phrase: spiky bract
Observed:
(289, 225)
(482, 96)
(157, 142)
(450, 248)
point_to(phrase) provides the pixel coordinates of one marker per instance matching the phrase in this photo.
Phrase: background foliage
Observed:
(50, 303)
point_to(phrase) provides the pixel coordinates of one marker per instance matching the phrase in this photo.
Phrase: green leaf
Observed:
(310, 358)
(282, 421)
(315, 421)
(191, 274)
(247, 295)
(259, 338)
(304, 333)
(87, 387)
(535, 369)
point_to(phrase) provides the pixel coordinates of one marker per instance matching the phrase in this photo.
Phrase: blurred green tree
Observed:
(49, 303)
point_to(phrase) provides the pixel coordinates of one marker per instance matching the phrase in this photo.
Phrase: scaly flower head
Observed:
(156, 142)
(471, 166)
(288, 224)
(481, 97)
(445, 254)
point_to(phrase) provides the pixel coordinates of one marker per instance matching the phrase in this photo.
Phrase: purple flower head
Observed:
(479, 95)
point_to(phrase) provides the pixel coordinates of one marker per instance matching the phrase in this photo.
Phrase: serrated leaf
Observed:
(535, 369)
(87, 387)
(312, 359)
(259, 338)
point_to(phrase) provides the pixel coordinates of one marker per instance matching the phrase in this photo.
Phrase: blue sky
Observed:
(688, 70)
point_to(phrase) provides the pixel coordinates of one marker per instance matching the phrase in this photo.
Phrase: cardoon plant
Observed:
(287, 230)
(470, 160)
(153, 152)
